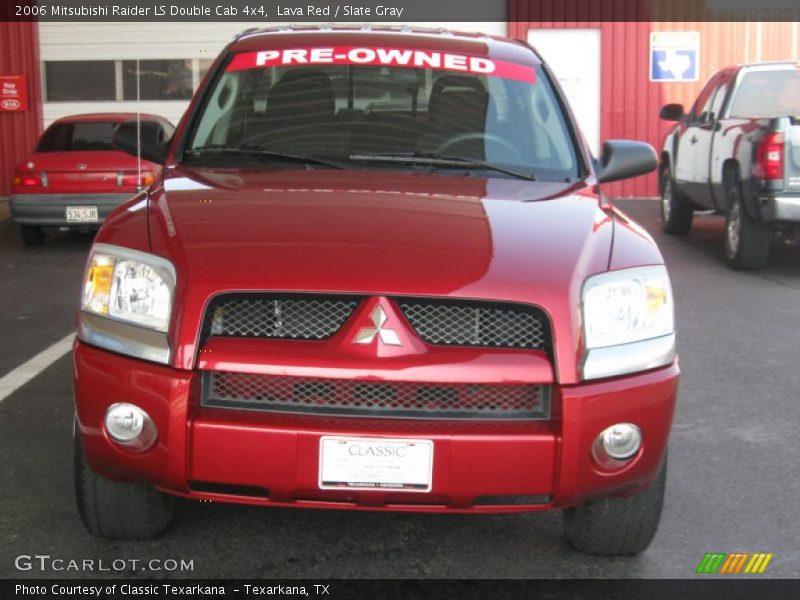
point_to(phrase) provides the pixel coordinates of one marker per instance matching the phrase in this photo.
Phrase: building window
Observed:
(115, 80)
(72, 80)
(158, 79)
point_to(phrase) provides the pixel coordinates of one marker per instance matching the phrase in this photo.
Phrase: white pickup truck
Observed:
(737, 152)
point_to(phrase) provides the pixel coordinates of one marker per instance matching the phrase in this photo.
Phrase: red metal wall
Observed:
(19, 55)
(629, 102)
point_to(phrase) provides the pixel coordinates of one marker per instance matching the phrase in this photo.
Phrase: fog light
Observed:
(130, 426)
(621, 441)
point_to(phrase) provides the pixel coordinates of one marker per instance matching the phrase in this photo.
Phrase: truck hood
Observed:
(379, 232)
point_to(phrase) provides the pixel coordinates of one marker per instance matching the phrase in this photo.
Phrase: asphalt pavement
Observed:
(734, 470)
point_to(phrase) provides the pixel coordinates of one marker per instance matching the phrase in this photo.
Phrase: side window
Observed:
(716, 103)
(169, 129)
(704, 99)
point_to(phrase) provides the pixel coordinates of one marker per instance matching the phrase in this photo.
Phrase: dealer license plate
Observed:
(375, 463)
(81, 214)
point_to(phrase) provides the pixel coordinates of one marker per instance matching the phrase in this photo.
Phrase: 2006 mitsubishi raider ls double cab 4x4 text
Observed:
(377, 272)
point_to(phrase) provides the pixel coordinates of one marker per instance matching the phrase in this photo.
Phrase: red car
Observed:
(75, 177)
(377, 272)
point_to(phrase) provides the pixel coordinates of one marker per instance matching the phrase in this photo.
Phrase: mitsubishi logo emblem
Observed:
(365, 335)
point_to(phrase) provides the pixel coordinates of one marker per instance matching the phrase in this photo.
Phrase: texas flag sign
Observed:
(674, 56)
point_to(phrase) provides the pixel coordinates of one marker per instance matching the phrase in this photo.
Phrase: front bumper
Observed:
(272, 459)
(50, 210)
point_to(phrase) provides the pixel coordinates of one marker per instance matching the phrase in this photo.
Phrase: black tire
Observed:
(32, 235)
(676, 212)
(118, 510)
(617, 526)
(746, 240)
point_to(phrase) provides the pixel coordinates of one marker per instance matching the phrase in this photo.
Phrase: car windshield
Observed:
(77, 137)
(768, 94)
(390, 108)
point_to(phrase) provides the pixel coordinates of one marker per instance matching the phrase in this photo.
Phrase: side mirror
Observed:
(153, 138)
(671, 112)
(623, 159)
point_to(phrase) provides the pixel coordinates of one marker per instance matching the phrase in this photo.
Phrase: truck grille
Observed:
(391, 399)
(277, 316)
(467, 323)
(436, 320)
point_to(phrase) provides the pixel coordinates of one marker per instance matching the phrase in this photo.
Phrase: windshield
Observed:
(404, 109)
(767, 94)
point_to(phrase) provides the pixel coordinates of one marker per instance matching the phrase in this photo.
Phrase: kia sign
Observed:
(13, 93)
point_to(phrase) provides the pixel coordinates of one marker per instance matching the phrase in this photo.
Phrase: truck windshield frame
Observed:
(376, 109)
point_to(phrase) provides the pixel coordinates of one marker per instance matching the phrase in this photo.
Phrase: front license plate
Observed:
(81, 214)
(375, 463)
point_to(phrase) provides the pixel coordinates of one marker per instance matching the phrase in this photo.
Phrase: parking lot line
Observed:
(14, 380)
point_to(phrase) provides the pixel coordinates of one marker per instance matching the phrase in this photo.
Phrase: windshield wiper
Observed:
(262, 153)
(437, 160)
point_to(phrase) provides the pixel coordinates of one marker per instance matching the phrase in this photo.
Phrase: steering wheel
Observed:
(477, 135)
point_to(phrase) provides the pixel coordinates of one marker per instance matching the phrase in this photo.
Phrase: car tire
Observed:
(621, 526)
(32, 235)
(118, 510)
(746, 240)
(676, 212)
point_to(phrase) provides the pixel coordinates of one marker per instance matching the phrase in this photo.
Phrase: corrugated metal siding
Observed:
(629, 101)
(19, 55)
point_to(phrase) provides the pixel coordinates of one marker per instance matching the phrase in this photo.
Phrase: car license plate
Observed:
(369, 464)
(81, 214)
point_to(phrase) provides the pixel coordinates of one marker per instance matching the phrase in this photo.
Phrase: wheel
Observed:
(118, 510)
(617, 526)
(746, 240)
(676, 212)
(32, 235)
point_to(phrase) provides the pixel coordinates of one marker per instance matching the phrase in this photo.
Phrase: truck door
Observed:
(686, 159)
(708, 165)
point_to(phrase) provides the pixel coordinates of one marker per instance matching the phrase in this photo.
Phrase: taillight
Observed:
(125, 179)
(24, 179)
(769, 157)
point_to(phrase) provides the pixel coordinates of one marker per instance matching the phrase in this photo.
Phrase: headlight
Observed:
(628, 321)
(627, 306)
(129, 286)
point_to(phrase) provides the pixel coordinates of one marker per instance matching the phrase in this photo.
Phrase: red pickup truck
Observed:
(377, 272)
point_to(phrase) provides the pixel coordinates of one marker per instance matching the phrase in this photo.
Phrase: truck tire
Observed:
(118, 510)
(32, 235)
(676, 212)
(746, 240)
(617, 526)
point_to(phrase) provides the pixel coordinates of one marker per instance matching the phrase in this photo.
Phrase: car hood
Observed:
(379, 232)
